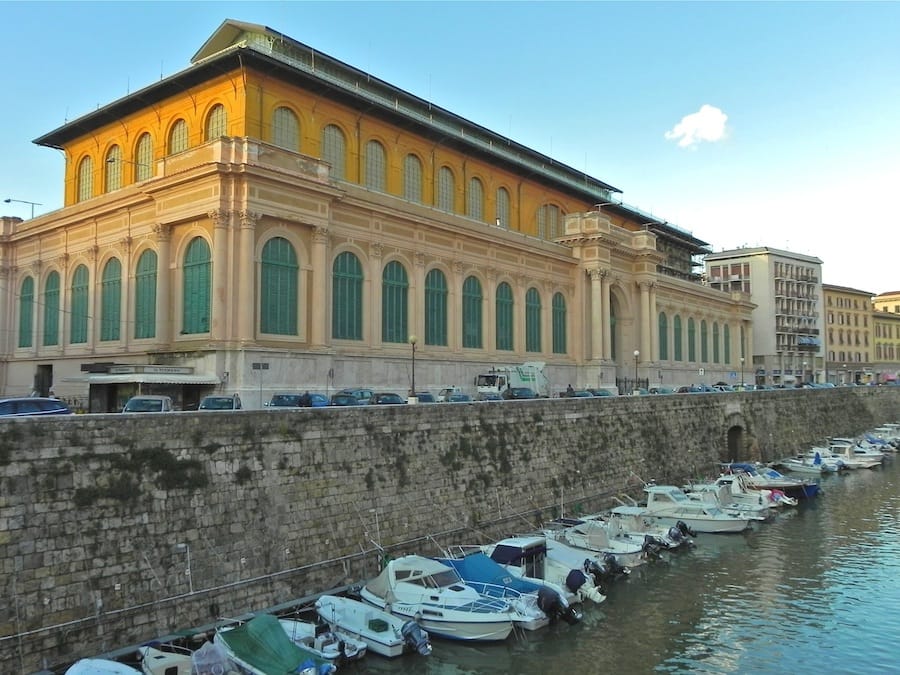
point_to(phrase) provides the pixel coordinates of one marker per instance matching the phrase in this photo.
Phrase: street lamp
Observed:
(637, 355)
(412, 394)
(804, 371)
(844, 374)
(741, 383)
(10, 200)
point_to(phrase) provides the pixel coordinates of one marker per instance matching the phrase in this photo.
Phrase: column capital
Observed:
(249, 218)
(376, 249)
(320, 234)
(163, 231)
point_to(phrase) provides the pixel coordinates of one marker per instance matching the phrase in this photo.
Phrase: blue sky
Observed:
(757, 123)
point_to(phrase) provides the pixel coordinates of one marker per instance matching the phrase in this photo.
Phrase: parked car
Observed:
(445, 394)
(220, 403)
(318, 400)
(30, 406)
(148, 403)
(341, 399)
(603, 392)
(425, 397)
(459, 397)
(518, 393)
(361, 395)
(284, 401)
(661, 390)
(580, 393)
(489, 396)
(386, 398)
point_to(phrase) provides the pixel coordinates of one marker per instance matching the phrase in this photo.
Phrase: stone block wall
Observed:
(117, 529)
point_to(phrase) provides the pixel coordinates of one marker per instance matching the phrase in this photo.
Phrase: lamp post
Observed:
(844, 374)
(741, 383)
(637, 355)
(10, 200)
(804, 371)
(412, 394)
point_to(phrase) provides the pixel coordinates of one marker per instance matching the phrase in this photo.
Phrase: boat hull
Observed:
(705, 525)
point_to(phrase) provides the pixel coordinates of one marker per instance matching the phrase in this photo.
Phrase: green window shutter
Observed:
(51, 310)
(145, 296)
(704, 343)
(78, 331)
(394, 307)
(26, 313)
(559, 324)
(473, 303)
(196, 293)
(716, 342)
(412, 179)
(676, 337)
(143, 166)
(286, 129)
(726, 342)
(334, 151)
(692, 340)
(216, 123)
(111, 301)
(663, 337)
(436, 308)
(376, 167)
(532, 321)
(279, 288)
(346, 298)
(504, 317)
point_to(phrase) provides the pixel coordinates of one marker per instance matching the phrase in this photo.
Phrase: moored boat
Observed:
(100, 667)
(767, 478)
(669, 504)
(261, 647)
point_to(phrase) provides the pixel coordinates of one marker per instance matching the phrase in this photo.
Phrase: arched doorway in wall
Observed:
(736, 446)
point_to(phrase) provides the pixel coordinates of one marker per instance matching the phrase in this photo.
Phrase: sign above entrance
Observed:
(160, 370)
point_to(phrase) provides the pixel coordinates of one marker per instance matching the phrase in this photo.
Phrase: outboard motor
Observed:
(603, 571)
(416, 638)
(685, 530)
(555, 606)
(575, 579)
(652, 547)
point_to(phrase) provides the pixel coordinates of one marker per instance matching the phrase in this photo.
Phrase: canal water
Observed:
(815, 591)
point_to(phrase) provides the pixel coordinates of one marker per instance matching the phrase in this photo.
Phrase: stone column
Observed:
(644, 323)
(490, 314)
(519, 322)
(416, 323)
(596, 314)
(654, 324)
(127, 304)
(246, 292)
(455, 308)
(218, 320)
(607, 327)
(320, 310)
(164, 272)
(376, 250)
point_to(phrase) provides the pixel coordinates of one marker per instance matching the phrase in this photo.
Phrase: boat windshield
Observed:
(442, 579)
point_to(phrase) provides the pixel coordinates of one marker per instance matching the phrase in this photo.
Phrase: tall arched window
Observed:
(279, 274)
(559, 324)
(112, 168)
(26, 313)
(334, 151)
(704, 342)
(502, 208)
(549, 221)
(85, 179)
(286, 129)
(503, 313)
(143, 163)
(145, 296)
(216, 123)
(111, 300)
(692, 339)
(726, 343)
(475, 200)
(715, 340)
(473, 302)
(663, 337)
(436, 308)
(394, 303)
(78, 312)
(676, 338)
(376, 167)
(532, 320)
(412, 179)
(446, 189)
(51, 309)
(196, 292)
(178, 137)
(346, 299)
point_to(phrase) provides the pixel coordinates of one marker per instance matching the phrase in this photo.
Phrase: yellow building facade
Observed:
(271, 219)
(849, 335)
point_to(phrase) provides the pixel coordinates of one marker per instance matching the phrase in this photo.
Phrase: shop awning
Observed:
(145, 378)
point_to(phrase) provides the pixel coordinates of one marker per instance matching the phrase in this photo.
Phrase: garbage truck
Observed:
(530, 374)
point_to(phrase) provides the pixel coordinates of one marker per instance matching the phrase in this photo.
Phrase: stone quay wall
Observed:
(118, 529)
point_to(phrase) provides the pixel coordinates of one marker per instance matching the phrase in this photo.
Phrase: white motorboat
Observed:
(433, 594)
(669, 504)
(208, 659)
(594, 535)
(846, 451)
(100, 667)
(631, 520)
(319, 638)
(755, 507)
(383, 633)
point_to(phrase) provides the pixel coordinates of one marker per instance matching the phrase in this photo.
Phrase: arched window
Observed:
(473, 301)
(145, 296)
(704, 343)
(111, 300)
(676, 337)
(334, 151)
(549, 221)
(726, 343)
(51, 309)
(286, 129)
(279, 274)
(502, 208)
(26, 313)
(85, 179)
(436, 308)
(663, 337)
(178, 137)
(446, 189)
(78, 313)
(112, 179)
(532, 321)
(394, 303)
(143, 164)
(692, 340)
(346, 299)
(196, 291)
(412, 179)
(715, 341)
(376, 167)
(559, 323)
(475, 200)
(504, 317)
(216, 123)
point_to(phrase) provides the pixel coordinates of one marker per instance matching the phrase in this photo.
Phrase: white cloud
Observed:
(707, 124)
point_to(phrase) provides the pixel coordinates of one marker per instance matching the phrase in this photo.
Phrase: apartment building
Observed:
(849, 335)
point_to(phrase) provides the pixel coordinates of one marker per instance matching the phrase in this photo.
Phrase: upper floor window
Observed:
(26, 313)
(85, 179)
(143, 164)
(334, 151)
(549, 222)
(112, 178)
(216, 123)
(278, 288)
(446, 189)
(475, 200)
(376, 166)
(502, 208)
(178, 137)
(286, 129)
(78, 314)
(412, 179)
(51, 309)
